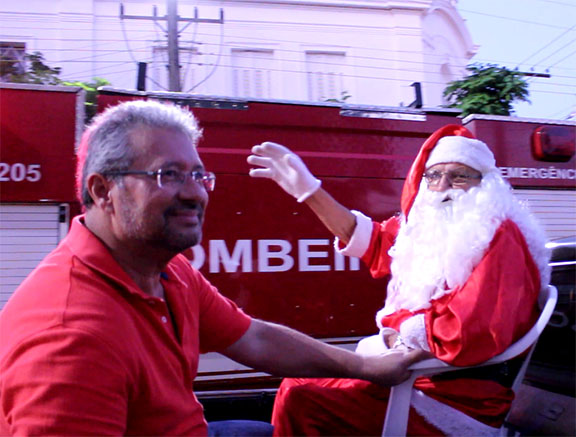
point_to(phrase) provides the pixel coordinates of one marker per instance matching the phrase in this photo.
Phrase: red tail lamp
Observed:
(554, 143)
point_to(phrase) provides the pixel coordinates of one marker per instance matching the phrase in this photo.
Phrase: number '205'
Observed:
(19, 172)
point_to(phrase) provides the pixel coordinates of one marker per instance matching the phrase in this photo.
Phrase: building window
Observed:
(325, 75)
(12, 58)
(251, 72)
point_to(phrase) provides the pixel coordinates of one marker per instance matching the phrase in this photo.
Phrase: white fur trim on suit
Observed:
(449, 420)
(358, 244)
(373, 345)
(413, 332)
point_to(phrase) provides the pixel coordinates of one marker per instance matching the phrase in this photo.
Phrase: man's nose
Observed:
(192, 189)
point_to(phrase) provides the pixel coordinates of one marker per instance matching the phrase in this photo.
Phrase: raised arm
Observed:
(282, 351)
(283, 166)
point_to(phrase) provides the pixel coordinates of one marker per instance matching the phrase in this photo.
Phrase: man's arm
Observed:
(280, 164)
(282, 351)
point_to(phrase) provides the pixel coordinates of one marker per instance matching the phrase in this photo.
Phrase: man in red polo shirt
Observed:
(103, 337)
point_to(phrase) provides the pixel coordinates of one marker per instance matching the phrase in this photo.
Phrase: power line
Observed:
(553, 53)
(572, 5)
(357, 66)
(564, 58)
(217, 62)
(132, 55)
(552, 92)
(350, 47)
(547, 45)
(388, 79)
(513, 19)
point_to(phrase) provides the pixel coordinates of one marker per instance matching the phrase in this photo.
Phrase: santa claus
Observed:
(466, 262)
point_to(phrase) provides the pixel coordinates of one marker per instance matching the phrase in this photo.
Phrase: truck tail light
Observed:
(554, 143)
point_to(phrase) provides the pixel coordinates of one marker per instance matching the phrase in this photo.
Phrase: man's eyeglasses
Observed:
(455, 178)
(172, 178)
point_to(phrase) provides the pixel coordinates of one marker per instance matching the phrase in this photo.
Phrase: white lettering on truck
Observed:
(18, 172)
(538, 173)
(266, 254)
(272, 256)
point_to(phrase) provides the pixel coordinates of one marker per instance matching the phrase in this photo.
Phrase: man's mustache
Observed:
(176, 209)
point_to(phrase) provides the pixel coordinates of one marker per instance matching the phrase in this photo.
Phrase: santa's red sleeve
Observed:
(382, 239)
(494, 308)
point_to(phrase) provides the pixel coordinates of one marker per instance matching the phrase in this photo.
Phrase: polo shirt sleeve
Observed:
(63, 381)
(221, 322)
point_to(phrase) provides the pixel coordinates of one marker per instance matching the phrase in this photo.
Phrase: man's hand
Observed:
(391, 368)
(285, 168)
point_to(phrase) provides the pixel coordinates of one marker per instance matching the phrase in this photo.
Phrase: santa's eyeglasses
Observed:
(454, 178)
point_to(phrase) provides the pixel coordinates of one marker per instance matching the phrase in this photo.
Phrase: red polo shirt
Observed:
(83, 351)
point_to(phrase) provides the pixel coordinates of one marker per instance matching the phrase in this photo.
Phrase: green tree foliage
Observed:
(488, 89)
(35, 71)
(343, 97)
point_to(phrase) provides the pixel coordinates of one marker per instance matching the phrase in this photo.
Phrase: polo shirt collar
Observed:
(91, 251)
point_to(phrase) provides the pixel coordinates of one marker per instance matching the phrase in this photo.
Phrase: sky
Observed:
(534, 36)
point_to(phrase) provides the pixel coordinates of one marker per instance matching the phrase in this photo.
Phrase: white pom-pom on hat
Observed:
(473, 153)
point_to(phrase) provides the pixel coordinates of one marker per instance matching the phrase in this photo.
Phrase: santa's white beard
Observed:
(445, 237)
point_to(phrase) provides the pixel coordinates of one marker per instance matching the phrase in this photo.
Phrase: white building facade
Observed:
(361, 51)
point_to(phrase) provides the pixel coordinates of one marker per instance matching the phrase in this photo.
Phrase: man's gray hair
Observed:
(108, 146)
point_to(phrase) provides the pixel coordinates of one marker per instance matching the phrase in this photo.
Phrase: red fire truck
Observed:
(261, 248)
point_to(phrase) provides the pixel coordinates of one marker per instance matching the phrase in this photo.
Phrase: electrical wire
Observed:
(513, 19)
(191, 50)
(547, 45)
(560, 3)
(398, 70)
(132, 55)
(354, 66)
(354, 47)
(564, 58)
(553, 53)
(104, 70)
(215, 65)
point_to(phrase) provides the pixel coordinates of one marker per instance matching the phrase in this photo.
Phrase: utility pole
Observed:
(173, 48)
(173, 19)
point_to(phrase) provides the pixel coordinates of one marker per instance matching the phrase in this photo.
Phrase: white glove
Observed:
(285, 168)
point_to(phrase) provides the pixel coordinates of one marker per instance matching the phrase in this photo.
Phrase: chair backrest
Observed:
(396, 421)
(547, 301)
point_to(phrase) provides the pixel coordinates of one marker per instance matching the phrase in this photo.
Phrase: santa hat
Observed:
(412, 184)
(473, 153)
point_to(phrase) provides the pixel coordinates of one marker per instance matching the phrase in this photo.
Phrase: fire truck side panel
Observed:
(38, 128)
(37, 133)
(510, 138)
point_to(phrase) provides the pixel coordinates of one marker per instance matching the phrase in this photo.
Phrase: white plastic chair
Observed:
(396, 421)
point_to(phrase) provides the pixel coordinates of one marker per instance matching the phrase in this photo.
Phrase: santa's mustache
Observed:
(443, 198)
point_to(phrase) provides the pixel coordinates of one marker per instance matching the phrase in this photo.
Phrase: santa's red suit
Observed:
(469, 324)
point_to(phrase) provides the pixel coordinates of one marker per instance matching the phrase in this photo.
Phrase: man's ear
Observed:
(99, 188)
